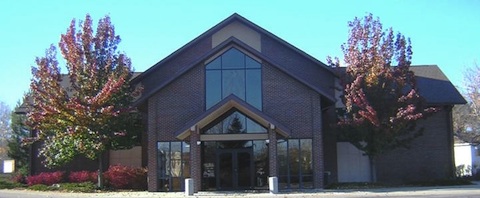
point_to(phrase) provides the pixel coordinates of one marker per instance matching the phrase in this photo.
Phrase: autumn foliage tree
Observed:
(86, 111)
(379, 93)
(466, 118)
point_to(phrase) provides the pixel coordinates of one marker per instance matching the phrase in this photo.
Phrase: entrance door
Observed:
(234, 169)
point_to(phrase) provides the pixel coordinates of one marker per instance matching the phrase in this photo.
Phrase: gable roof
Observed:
(225, 22)
(233, 18)
(224, 106)
(435, 87)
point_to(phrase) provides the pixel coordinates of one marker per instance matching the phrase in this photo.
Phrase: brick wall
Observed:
(430, 155)
(296, 63)
(169, 110)
(284, 99)
(288, 101)
(298, 108)
(166, 71)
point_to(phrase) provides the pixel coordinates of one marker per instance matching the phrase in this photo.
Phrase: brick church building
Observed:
(238, 105)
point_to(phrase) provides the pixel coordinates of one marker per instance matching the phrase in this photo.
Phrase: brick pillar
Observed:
(272, 151)
(317, 143)
(152, 147)
(195, 158)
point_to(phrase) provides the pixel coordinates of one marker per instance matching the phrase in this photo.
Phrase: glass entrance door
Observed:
(234, 169)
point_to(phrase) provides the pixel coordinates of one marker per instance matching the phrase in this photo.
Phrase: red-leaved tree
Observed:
(381, 100)
(86, 111)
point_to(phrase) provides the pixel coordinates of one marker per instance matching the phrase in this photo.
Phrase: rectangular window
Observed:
(295, 163)
(254, 88)
(235, 73)
(213, 87)
(173, 165)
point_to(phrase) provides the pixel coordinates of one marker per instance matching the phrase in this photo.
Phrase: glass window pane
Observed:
(164, 185)
(306, 159)
(294, 156)
(244, 159)
(234, 83)
(254, 88)
(215, 64)
(260, 154)
(213, 87)
(176, 159)
(282, 157)
(163, 159)
(233, 59)
(186, 159)
(251, 63)
(283, 182)
(235, 123)
(307, 181)
(294, 182)
(253, 127)
(225, 163)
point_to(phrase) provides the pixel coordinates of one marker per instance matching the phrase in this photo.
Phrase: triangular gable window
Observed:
(234, 122)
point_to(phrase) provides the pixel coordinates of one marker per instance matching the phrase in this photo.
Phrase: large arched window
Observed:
(233, 73)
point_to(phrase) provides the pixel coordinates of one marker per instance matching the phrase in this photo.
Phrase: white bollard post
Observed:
(189, 187)
(273, 185)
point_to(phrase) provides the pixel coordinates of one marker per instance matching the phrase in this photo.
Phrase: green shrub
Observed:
(41, 187)
(4, 184)
(84, 187)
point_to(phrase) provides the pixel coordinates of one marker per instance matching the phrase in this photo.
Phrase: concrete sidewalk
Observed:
(439, 192)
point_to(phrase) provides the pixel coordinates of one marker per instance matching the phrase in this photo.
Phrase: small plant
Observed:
(46, 178)
(9, 185)
(18, 178)
(124, 177)
(41, 187)
(84, 187)
(82, 176)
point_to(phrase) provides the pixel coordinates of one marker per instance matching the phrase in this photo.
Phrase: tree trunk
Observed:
(373, 169)
(100, 172)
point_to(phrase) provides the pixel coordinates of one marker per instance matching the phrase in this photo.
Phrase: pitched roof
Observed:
(235, 18)
(435, 87)
(224, 106)
(225, 22)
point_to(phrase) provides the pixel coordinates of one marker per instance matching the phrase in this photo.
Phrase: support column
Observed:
(152, 147)
(272, 151)
(195, 158)
(317, 144)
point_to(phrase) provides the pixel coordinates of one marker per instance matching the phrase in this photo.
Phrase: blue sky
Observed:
(446, 33)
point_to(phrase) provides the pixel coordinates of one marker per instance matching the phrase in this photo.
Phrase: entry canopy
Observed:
(223, 107)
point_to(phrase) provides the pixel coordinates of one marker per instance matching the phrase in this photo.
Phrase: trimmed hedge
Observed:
(117, 177)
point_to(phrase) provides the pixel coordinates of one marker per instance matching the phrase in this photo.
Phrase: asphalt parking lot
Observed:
(437, 192)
